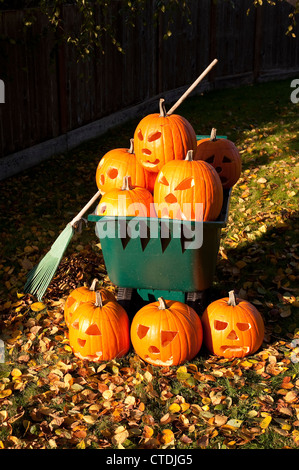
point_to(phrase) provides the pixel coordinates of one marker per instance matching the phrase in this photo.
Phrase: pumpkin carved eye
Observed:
(244, 326)
(163, 180)
(226, 159)
(210, 159)
(142, 331)
(112, 173)
(167, 337)
(93, 330)
(187, 183)
(220, 325)
(140, 135)
(154, 136)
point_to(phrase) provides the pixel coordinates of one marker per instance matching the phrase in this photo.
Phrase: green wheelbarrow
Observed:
(147, 258)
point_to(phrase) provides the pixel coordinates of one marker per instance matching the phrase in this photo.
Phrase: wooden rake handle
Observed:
(85, 208)
(191, 88)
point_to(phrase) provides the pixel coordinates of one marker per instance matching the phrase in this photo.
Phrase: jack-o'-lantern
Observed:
(232, 327)
(99, 330)
(83, 294)
(223, 155)
(115, 165)
(160, 138)
(150, 179)
(183, 184)
(127, 201)
(166, 333)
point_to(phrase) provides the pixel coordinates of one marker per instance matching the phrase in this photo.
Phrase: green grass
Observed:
(258, 258)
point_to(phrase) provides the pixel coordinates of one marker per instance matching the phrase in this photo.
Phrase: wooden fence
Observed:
(48, 95)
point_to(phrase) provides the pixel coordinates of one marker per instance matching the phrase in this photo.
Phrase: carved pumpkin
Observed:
(83, 294)
(166, 333)
(150, 179)
(223, 155)
(127, 201)
(99, 330)
(180, 185)
(115, 165)
(232, 327)
(159, 138)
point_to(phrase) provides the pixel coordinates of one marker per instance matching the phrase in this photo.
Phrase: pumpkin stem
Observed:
(131, 149)
(213, 136)
(232, 299)
(99, 300)
(127, 183)
(93, 284)
(163, 112)
(189, 156)
(162, 304)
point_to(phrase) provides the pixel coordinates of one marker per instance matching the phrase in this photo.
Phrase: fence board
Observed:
(48, 94)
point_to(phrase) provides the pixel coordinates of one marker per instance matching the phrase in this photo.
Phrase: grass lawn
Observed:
(50, 399)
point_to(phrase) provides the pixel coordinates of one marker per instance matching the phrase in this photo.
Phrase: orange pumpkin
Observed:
(116, 164)
(181, 185)
(99, 330)
(150, 179)
(80, 295)
(232, 327)
(166, 333)
(223, 155)
(127, 201)
(160, 138)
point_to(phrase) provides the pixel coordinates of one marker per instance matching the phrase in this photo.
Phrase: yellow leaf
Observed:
(16, 373)
(120, 437)
(295, 434)
(38, 307)
(3, 416)
(206, 400)
(174, 408)
(107, 394)
(5, 393)
(89, 419)
(81, 445)
(185, 406)
(167, 436)
(265, 422)
(148, 432)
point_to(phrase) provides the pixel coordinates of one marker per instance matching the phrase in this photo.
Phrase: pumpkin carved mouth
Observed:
(154, 350)
(244, 349)
(150, 164)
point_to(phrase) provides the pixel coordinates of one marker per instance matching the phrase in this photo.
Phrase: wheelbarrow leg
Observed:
(198, 300)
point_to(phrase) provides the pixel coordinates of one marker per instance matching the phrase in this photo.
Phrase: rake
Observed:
(41, 275)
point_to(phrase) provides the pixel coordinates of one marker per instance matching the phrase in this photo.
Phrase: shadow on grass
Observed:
(264, 271)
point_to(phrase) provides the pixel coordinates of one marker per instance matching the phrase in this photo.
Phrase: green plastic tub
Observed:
(161, 256)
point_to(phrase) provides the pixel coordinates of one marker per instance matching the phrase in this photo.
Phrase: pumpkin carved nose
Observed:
(170, 198)
(233, 335)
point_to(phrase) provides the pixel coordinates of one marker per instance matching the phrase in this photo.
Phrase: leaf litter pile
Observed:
(51, 399)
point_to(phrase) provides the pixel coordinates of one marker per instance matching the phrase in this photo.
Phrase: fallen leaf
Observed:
(261, 180)
(167, 436)
(174, 408)
(265, 422)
